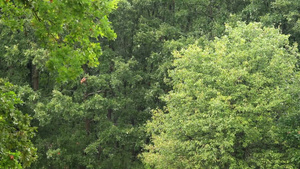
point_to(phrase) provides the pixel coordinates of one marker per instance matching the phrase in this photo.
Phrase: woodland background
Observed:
(149, 84)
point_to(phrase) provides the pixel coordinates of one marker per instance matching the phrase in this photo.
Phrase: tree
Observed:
(16, 148)
(68, 29)
(283, 14)
(23, 60)
(231, 98)
(99, 120)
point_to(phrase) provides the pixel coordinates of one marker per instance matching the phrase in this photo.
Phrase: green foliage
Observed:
(99, 123)
(283, 14)
(231, 98)
(16, 149)
(21, 56)
(65, 28)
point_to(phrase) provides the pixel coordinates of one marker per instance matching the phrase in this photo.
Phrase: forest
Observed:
(153, 84)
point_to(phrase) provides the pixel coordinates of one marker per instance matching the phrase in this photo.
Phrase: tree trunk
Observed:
(109, 113)
(35, 78)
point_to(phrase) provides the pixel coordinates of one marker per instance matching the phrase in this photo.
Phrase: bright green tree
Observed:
(234, 104)
(16, 148)
(68, 29)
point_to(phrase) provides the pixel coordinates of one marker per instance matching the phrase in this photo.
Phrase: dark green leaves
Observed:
(16, 149)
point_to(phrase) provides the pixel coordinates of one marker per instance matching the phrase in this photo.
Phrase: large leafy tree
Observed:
(234, 104)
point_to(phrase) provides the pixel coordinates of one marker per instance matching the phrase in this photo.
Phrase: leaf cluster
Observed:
(228, 101)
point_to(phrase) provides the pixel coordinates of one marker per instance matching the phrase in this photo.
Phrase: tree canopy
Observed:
(149, 84)
(229, 99)
(65, 28)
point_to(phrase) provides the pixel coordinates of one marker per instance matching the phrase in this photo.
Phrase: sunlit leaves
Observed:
(66, 28)
(226, 101)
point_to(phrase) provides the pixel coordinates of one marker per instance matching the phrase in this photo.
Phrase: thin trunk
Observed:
(35, 78)
(109, 113)
(87, 126)
(87, 121)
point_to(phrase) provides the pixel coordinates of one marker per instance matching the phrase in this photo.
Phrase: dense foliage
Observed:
(66, 28)
(16, 148)
(175, 88)
(228, 103)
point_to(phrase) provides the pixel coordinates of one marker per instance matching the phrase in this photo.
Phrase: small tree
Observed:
(16, 149)
(229, 103)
